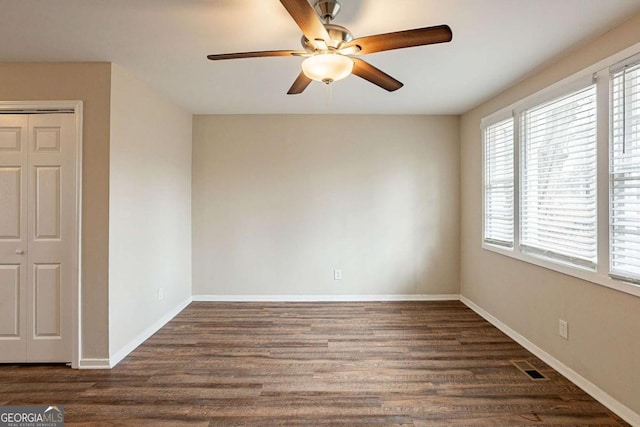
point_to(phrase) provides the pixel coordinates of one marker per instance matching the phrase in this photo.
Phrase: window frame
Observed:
(496, 120)
(579, 85)
(633, 61)
(600, 74)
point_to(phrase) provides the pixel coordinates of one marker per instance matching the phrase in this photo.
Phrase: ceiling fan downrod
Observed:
(327, 9)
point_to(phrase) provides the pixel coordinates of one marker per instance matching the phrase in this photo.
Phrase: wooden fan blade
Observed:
(402, 39)
(304, 15)
(374, 75)
(300, 84)
(259, 54)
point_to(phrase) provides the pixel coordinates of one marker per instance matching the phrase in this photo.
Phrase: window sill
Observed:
(568, 269)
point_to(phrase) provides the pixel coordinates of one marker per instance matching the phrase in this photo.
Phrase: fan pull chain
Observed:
(329, 96)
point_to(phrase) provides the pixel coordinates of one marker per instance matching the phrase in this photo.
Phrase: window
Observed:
(558, 178)
(624, 177)
(498, 183)
(564, 158)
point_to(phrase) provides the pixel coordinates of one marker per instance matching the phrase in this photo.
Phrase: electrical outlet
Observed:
(337, 274)
(160, 294)
(563, 329)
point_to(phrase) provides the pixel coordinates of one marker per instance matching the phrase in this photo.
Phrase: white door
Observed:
(13, 238)
(37, 219)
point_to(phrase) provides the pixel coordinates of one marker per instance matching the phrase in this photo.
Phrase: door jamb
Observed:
(76, 314)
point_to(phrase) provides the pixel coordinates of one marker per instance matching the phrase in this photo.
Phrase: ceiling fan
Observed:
(331, 51)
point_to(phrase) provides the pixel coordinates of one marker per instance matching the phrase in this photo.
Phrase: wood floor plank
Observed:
(354, 364)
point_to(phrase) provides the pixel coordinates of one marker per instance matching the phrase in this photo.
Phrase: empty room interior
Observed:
(311, 212)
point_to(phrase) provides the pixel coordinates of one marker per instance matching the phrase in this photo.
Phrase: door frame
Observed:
(75, 107)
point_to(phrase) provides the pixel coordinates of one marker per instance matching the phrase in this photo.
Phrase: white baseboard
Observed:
(94, 364)
(144, 335)
(593, 390)
(325, 298)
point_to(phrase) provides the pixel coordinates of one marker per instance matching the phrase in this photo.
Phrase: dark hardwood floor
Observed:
(355, 364)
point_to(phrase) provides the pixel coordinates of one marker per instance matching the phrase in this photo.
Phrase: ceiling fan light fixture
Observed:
(327, 67)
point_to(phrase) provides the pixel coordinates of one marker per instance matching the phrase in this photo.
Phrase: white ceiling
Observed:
(165, 43)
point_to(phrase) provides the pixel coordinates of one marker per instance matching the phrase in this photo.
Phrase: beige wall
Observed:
(604, 339)
(279, 202)
(150, 208)
(89, 82)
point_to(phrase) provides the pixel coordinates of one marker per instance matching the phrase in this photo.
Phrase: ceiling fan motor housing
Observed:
(339, 35)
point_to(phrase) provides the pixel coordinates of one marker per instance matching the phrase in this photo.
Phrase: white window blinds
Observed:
(558, 178)
(498, 183)
(624, 175)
